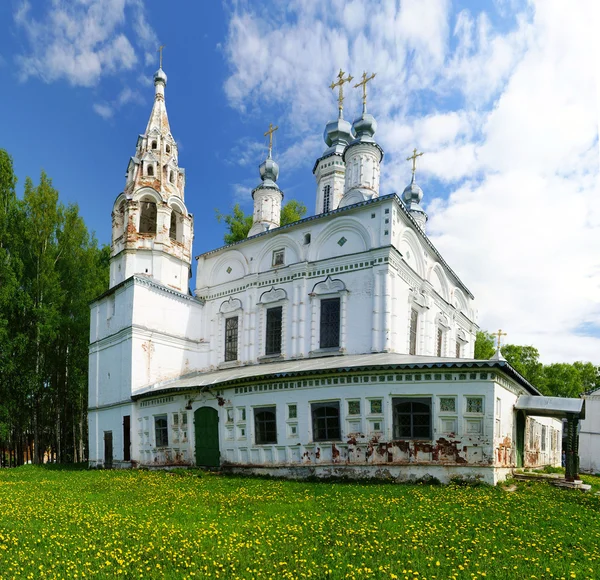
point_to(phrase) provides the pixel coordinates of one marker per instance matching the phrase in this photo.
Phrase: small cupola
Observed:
(267, 196)
(413, 194)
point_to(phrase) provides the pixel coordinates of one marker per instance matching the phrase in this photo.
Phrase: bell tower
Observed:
(152, 231)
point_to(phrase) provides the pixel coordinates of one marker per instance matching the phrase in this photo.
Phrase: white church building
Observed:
(338, 345)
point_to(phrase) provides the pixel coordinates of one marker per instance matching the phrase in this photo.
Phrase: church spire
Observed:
(152, 229)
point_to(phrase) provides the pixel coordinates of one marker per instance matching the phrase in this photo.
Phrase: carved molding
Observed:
(273, 295)
(328, 286)
(230, 305)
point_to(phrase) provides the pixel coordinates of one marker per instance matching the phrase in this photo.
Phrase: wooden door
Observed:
(206, 427)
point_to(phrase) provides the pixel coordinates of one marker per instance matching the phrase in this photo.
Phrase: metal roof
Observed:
(558, 407)
(323, 365)
(376, 200)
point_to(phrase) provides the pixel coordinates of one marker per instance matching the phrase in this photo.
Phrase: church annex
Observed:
(339, 345)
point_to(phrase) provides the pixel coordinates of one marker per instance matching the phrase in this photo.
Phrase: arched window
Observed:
(150, 170)
(123, 225)
(147, 217)
(168, 148)
(172, 176)
(154, 144)
(173, 227)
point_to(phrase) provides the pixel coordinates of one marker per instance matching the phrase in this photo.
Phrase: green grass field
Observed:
(82, 524)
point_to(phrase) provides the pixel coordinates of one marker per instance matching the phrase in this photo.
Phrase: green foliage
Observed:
(292, 211)
(149, 524)
(556, 379)
(50, 269)
(484, 345)
(239, 223)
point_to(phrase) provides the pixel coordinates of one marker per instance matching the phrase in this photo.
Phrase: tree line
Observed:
(553, 380)
(51, 268)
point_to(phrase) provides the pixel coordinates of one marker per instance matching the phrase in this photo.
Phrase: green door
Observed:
(206, 422)
(520, 438)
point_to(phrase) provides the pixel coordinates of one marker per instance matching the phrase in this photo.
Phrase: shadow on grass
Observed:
(83, 466)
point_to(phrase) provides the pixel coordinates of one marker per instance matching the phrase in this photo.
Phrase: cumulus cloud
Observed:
(81, 42)
(505, 106)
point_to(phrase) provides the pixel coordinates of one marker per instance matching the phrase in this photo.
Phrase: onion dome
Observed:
(160, 76)
(269, 171)
(412, 194)
(337, 133)
(364, 127)
(411, 197)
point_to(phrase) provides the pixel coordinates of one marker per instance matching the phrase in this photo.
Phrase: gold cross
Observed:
(499, 335)
(340, 83)
(270, 134)
(414, 159)
(363, 83)
(160, 49)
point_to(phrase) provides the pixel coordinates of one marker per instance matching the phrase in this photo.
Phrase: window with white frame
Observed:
(326, 421)
(161, 431)
(448, 415)
(265, 425)
(278, 257)
(412, 417)
(231, 338)
(273, 330)
(329, 329)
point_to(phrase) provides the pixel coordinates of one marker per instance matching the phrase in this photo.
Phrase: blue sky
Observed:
(500, 98)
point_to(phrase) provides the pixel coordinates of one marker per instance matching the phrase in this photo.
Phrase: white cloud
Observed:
(508, 119)
(82, 41)
(105, 110)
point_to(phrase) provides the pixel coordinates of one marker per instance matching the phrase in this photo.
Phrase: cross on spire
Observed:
(340, 84)
(160, 50)
(363, 84)
(270, 134)
(414, 160)
(498, 335)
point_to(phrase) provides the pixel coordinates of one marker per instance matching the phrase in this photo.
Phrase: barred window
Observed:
(458, 349)
(265, 424)
(330, 323)
(414, 319)
(412, 418)
(326, 421)
(231, 338)
(161, 431)
(273, 338)
(327, 198)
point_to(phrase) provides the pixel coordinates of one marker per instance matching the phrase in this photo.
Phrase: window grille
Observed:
(412, 418)
(278, 257)
(330, 323)
(458, 349)
(327, 198)
(440, 341)
(231, 338)
(414, 318)
(274, 325)
(326, 421)
(266, 425)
